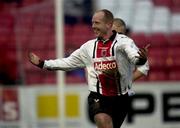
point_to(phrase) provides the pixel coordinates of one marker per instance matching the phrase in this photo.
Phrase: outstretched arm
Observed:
(74, 61)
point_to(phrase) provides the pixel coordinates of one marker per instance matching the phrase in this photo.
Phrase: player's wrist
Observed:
(141, 61)
(40, 64)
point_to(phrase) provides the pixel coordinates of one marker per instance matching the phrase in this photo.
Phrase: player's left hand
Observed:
(143, 54)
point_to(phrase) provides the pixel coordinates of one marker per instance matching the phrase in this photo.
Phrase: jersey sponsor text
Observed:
(105, 65)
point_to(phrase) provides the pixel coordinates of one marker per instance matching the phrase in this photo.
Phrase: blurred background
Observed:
(28, 95)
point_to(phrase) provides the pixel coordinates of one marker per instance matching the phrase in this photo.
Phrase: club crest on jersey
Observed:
(103, 52)
(105, 65)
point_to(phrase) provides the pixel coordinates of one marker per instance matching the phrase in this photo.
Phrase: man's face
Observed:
(100, 27)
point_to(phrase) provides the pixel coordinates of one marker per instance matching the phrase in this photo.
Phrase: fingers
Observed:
(144, 51)
(143, 54)
(147, 46)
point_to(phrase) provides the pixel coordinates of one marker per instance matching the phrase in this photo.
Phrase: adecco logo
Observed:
(105, 65)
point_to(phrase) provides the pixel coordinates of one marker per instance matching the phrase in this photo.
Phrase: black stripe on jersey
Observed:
(113, 48)
(94, 50)
(97, 85)
(119, 87)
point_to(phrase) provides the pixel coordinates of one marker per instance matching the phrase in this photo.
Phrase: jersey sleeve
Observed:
(144, 68)
(130, 49)
(74, 61)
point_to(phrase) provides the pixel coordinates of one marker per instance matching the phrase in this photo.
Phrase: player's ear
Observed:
(109, 25)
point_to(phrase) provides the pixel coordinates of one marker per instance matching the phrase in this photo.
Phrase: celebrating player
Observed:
(110, 60)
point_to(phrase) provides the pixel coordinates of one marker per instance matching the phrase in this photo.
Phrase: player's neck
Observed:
(108, 35)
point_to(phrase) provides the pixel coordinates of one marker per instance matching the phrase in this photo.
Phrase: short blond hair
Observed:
(120, 23)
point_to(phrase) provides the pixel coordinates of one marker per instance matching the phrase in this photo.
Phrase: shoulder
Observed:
(89, 44)
(125, 41)
(123, 38)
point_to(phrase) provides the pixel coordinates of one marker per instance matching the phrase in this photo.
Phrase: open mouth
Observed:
(96, 31)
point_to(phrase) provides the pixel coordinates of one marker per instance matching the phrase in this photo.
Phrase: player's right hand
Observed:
(35, 60)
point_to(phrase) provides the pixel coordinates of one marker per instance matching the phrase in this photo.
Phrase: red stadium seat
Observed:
(80, 34)
(174, 39)
(166, 3)
(176, 6)
(140, 39)
(74, 79)
(157, 57)
(158, 39)
(50, 79)
(40, 77)
(158, 75)
(173, 57)
(174, 74)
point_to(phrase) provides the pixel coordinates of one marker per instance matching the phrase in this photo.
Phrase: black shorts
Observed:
(115, 106)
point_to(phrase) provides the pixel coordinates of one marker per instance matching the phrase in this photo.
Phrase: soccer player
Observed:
(120, 27)
(109, 59)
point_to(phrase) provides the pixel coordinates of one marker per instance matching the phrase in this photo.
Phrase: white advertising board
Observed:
(155, 105)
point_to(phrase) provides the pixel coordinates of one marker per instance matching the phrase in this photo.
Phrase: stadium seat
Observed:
(166, 3)
(175, 23)
(80, 29)
(30, 2)
(74, 79)
(175, 6)
(142, 16)
(32, 78)
(174, 74)
(158, 75)
(174, 39)
(158, 40)
(40, 77)
(176, 2)
(6, 27)
(67, 32)
(139, 38)
(112, 6)
(50, 79)
(157, 57)
(160, 20)
(173, 57)
(125, 10)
